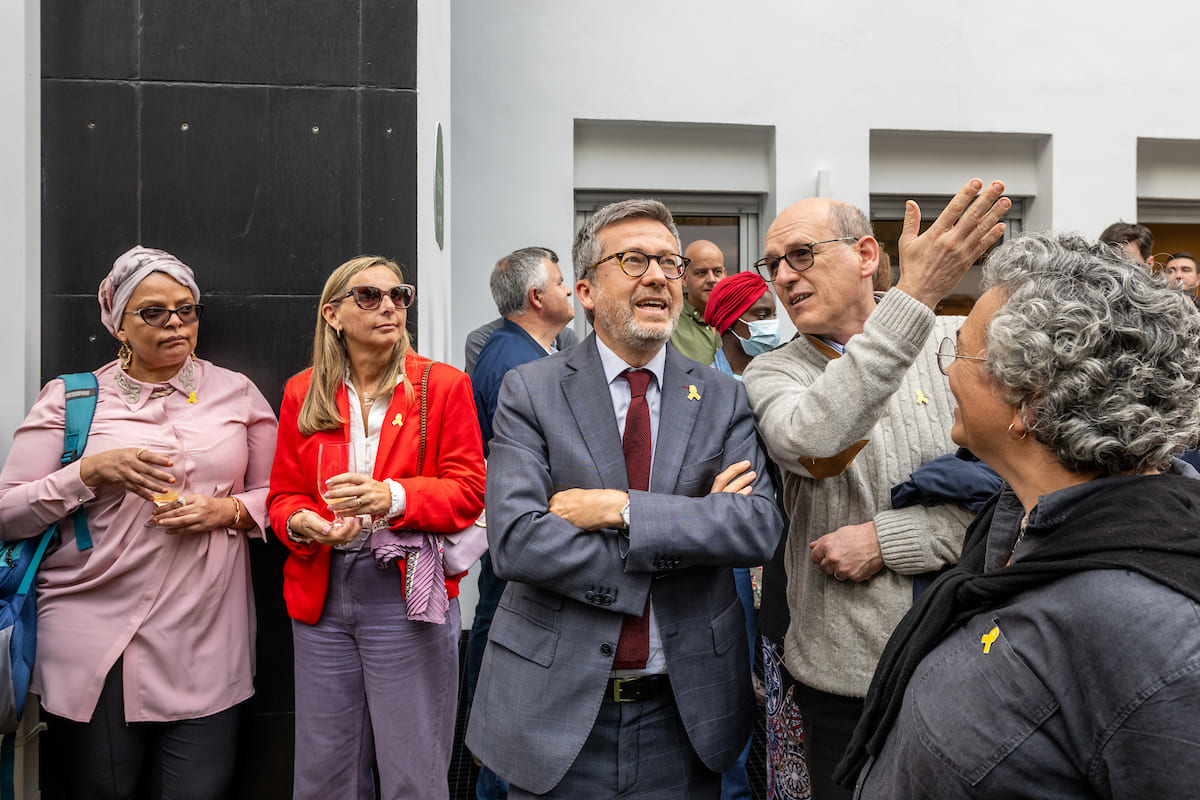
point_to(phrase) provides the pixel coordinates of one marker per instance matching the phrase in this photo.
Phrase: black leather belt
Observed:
(640, 688)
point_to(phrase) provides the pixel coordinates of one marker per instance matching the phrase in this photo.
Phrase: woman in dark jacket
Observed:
(1061, 658)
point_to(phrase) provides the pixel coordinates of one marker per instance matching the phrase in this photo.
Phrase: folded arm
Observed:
(531, 543)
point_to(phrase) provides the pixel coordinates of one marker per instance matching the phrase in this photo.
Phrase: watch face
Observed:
(625, 516)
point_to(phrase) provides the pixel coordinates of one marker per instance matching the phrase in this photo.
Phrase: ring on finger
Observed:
(357, 502)
(839, 576)
(138, 456)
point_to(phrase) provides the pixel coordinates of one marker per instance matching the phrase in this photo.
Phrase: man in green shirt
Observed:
(692, 337)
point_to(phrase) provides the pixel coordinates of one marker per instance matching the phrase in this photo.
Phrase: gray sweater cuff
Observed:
(902, 536)
(908, 319)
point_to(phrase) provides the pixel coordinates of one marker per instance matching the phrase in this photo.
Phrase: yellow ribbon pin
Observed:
(988, 638)
(397, 420)
(692, 393)
(921, 398)
(192, 397)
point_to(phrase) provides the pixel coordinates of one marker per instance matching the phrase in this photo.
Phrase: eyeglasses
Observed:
(948, 351)
(634, 263)
(799, 258)
(158, 317)
(368, 298)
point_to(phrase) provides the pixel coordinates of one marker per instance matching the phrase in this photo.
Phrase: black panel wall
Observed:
(263, 143)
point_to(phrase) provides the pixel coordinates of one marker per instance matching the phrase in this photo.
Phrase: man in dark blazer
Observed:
(584, 553)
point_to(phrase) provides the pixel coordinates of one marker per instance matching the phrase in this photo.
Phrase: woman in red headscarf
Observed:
(742, 310)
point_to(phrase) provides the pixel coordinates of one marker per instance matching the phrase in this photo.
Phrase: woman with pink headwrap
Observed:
(146, 638)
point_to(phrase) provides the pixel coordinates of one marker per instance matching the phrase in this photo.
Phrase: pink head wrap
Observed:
(130, 268)
(730, 298)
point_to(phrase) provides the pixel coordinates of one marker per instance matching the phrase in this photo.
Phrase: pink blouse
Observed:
(179, 608)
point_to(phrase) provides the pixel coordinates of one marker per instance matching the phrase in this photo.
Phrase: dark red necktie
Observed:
(634, 647)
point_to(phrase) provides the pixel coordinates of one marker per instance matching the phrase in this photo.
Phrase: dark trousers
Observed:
(489, 785)
(106, 758)
(829, 721)
(635, 750)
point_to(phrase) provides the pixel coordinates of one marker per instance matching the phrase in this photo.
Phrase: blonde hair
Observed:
(330, 360)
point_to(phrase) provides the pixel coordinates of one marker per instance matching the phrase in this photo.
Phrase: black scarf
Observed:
(1146, 524)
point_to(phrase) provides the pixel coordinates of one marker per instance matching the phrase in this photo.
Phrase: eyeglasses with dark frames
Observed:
(369, 298)
(634, 263)
(158, 317)
(948, 351)
(799, 258)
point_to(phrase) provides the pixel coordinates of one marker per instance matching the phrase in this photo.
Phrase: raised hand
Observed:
(932, 263)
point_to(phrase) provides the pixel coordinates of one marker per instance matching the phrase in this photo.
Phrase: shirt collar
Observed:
(614, 365)
(136, 392)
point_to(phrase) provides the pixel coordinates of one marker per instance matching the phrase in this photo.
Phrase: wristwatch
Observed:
(625, 516)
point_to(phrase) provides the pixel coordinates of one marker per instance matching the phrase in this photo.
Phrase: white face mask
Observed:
(764, 337)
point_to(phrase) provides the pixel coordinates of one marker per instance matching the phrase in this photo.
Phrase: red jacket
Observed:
(446, 497)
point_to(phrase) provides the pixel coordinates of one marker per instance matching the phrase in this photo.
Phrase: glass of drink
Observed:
(176, 453)
(333, 459)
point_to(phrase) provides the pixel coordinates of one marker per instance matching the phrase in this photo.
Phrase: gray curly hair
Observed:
(1103, 360)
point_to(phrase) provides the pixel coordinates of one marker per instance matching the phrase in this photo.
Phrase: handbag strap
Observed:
(424, 417)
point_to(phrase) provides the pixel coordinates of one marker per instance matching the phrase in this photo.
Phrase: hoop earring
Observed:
(1020, 438)
(338, 333)
(125, 355)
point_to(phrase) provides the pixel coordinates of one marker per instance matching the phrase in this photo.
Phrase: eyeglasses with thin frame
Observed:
(634, 263)
(948, 351)
(158, 317)
(369, 298)
(799, 258)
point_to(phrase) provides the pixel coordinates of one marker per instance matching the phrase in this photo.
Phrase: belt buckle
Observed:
(616, 693)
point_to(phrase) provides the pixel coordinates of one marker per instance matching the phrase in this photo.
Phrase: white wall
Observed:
(20, 211)
(823, 75)
(433, 109)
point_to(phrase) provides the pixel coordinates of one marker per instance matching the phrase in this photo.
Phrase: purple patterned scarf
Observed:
(424, 576)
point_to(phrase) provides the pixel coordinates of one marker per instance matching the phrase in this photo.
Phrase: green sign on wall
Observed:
(439, 194)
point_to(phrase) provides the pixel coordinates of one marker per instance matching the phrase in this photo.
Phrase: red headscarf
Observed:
(731, 297)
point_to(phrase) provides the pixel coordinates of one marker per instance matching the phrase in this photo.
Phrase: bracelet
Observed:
(291, 534)
(237, 512)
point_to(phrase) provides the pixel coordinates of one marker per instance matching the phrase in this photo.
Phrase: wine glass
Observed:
(176, 452)
(333, 459)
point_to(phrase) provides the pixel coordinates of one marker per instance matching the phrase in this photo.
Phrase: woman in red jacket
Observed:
(376, 649)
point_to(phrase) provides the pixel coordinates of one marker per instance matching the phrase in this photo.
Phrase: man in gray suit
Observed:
(624, 482)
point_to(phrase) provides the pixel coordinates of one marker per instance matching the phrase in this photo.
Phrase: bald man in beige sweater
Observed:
(848, 409)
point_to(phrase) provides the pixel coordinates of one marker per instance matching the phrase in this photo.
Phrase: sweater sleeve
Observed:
(808, 406)
(919, 539)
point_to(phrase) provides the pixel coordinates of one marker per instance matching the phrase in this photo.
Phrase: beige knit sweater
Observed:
(886, 388)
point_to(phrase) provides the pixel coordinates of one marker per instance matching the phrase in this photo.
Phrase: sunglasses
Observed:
(158, 317)
(368, 298)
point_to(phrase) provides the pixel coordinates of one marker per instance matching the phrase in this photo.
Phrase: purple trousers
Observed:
(373, 688)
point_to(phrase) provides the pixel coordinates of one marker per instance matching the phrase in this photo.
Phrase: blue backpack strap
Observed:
(81, 407)
(34, 563)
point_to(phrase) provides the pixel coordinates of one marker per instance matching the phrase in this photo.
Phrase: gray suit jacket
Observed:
(554, 635)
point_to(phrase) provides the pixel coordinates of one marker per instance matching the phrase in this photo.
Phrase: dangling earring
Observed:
(125, 355)
(338, 332)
